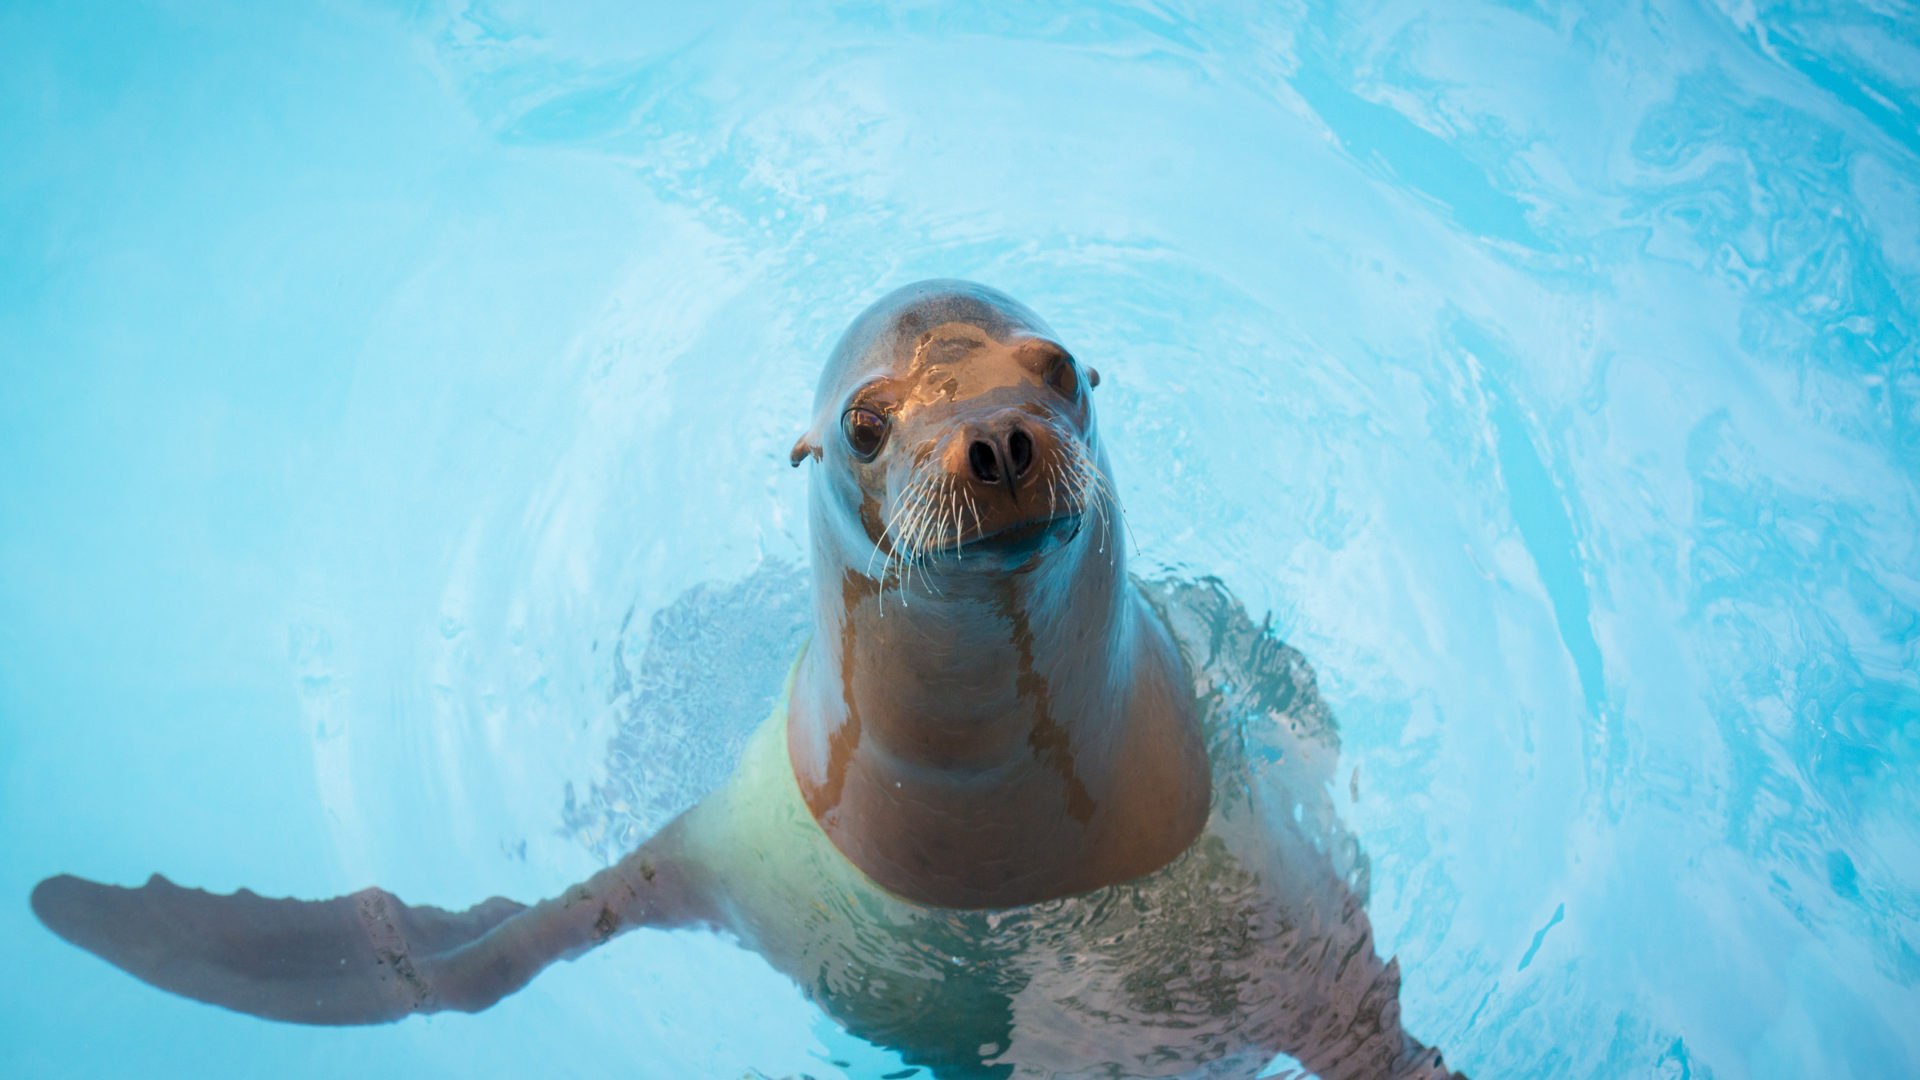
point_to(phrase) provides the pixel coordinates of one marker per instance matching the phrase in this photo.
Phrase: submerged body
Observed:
(1016, 814)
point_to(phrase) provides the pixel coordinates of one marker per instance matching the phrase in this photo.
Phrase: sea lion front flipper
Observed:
(366, 958)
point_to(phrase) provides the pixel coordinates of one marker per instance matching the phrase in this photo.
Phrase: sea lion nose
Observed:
(1001, 457)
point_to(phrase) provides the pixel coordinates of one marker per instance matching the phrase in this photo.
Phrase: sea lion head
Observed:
(956, 435)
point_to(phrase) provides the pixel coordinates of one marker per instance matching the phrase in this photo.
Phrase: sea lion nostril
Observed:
(1019, 452)
(984, 462)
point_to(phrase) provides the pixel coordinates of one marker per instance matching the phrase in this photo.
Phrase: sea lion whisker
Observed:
(1071, 465)
(1102, 494)
(959, 521)
(1085, 474)
(961, 500)
(924, 523)
(935, 526)
(1090, 491)
(898, 531)
(905, 503)
(1113, 498)
(916, 518)
(909, 516)
(949, 517)
(943, 521)
(888, 534)
(936, 523)
(888, 537)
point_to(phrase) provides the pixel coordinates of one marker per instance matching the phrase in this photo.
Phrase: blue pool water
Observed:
(1549, 372)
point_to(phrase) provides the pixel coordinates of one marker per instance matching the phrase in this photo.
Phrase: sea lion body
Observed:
(1014, 814)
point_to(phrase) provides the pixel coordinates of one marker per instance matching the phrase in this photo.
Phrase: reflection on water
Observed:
(1549, 371)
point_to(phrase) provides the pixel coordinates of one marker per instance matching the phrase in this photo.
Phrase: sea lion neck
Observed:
(951, 679)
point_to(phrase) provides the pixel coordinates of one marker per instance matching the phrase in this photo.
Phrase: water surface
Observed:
(374, 374)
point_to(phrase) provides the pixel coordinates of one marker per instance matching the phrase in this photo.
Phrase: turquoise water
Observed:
(371, 372)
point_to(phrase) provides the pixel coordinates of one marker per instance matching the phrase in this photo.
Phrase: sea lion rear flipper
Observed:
(365, 958)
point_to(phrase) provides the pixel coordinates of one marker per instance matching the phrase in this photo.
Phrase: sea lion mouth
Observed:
(1020, 539)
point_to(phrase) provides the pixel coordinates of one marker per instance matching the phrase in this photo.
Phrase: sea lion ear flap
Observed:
(1093, 376)
(803, 448)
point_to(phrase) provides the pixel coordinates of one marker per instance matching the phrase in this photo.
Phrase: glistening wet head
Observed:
(953, 423)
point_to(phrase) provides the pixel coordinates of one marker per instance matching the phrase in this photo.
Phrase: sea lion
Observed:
(1014, 811)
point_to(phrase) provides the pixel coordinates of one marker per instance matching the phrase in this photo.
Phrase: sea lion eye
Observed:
(1063, 378)
(865, 430)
